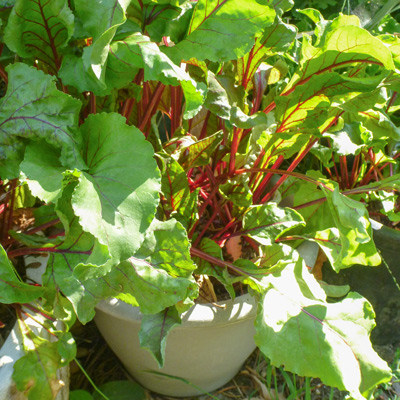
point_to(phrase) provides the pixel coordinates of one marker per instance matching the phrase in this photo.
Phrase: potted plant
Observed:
(157, 139)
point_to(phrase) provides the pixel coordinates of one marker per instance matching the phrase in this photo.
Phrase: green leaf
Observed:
(153, 289)
(306, 107)
(116, 198)
(40, 30)
(204, 267)
(154, 330)
(101, 22)
(12, 290)
(66, 347)
(174, 186)
(43, 169)
(268, 222)
(199, 153)
(275, 39)
(167, 20)
(340, 226)
(167, 247)
(311, 337)
(35, 374)
(80, 395)
(215, 25)
(381, 126)
(347, 141)
(120, 390)
(137, 51)
(343, 46)
(158, 67)
(79, 253)
(33, 109)
(160, 273)
(237, 191)
(355, 229)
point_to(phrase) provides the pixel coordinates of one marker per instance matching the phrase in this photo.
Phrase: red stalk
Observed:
(152, 107)
(266, 180)
(92, 103)
(206, 226)
(292, 166)
(216, 261)
(234, 149)
(345, 175)
(391, 101)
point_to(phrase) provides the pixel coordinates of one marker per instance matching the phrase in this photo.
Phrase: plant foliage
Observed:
(153, 134)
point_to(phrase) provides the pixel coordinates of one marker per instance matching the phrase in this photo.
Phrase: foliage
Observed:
(154, 134)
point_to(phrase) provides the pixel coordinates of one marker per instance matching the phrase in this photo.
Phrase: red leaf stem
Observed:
(344, 172)
(36, 310)
(354, 170)
(292, 166)
(266, 180)
(391, 101)
(220, 263)
(234, 148)
(206, 226)
(152, 107)
(92, 98)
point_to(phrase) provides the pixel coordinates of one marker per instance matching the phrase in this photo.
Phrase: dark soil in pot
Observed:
(380, 285)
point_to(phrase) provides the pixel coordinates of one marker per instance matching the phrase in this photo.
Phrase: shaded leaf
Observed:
(39, 29)
(101, 22)
(33, 109)
(44, 171)
(154, 330)
(120, 390)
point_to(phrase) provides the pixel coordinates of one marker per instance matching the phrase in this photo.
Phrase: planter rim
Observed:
(241, 308)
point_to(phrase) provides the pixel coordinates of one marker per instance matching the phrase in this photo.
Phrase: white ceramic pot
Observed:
(208, 349)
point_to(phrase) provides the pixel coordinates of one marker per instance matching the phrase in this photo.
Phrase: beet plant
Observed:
(166, 140)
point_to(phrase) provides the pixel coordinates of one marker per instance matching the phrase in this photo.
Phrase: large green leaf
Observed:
(216, 24)
(267, 222)
(154, 330)
(12, 289)
(34, 109)
(38, 29)
(307, 106)
(297, 328)
(116, 198)
(160, 273)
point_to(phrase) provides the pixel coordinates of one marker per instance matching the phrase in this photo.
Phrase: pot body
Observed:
(207, 349)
